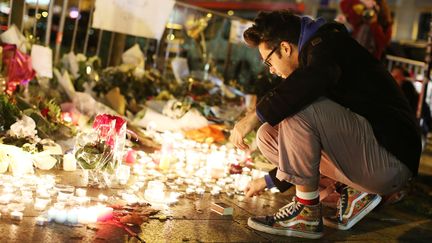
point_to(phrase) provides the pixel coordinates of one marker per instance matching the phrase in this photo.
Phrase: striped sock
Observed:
(308, 198)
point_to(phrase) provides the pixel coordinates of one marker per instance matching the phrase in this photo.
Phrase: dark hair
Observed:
(273, 28)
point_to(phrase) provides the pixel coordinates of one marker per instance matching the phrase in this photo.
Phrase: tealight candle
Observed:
(40, 204)
(82, 200)
(5, 199)
(42, 192)
(69, 162)
(61, 216)
(123, 174)
(102, 197)
(190, 190)
(15, 215)
(81, 192)
(63, 196)
(41, 220)
(200, 191)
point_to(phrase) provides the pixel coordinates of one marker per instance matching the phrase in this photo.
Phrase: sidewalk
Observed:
(409, 220)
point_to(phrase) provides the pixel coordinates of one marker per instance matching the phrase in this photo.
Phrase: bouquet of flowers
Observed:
(99, 152)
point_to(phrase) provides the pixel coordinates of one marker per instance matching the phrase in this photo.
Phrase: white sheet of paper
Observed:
(145, 18)
(134, 56)
(237, 29)
(180, 68)
(14, 36)
(41, 57)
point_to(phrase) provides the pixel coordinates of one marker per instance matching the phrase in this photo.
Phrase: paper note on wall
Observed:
(145, 18)
(42, 60)
(237, 29)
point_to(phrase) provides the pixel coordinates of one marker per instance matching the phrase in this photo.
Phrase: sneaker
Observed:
(294, 219)
(353, 205)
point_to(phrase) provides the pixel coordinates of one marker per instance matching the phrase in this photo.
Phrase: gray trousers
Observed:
(328, 139)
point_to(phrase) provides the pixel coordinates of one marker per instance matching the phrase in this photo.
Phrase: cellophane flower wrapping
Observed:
(99, 151)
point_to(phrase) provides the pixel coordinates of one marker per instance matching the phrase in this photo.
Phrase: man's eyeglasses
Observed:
(266, 61)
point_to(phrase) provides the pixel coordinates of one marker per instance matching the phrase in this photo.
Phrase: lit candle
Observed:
(42, 192)
(60, 216)
(15, 215)
(200, 191)
(72, 216)
(69, 162)
(123, 173)
(81, 192)
(242, 182)
(41, 220)
(105, 213)
(40, 204)
(63, 196)
(102, 197)
(190, 190)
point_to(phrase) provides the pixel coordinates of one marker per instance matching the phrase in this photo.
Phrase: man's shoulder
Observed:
(332, 27)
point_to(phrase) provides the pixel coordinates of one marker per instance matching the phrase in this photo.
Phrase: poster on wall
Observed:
(143, 18)
(237, 29)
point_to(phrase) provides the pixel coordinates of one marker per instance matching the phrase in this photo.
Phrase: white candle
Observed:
(69, 162)
(60, 216)
(5, 199)
(200, 191)
(123, 174)
(81, 192)
(41, 220)
(82, 200)
(17, 215)
(190, 190)
(40, 204)
(72, 216)
(102, 197)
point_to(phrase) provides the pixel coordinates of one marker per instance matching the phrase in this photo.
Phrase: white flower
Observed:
(26, 127)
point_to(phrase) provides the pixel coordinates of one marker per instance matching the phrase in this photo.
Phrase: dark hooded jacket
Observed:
(334, 65)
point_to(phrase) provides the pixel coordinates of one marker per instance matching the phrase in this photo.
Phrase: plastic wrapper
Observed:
(100, 151)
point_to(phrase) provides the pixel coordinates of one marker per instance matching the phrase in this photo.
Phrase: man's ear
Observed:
(286, 47)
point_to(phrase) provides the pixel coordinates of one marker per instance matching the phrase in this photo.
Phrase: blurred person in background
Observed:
(402, 78)
(371, 23)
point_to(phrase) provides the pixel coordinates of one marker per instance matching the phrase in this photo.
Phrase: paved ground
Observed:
(192, 221)
(409, 220)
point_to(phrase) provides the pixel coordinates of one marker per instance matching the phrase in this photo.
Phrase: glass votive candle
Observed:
(5, 198)
(102, 197)
(16, 215)
(41, 220)
(41, 204)
(123, 174)
(62, 196)
(69, 162)
(190, 190)
(80, 192)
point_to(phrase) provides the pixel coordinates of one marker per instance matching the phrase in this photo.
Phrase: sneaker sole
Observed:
(271, 230)
(356, 219)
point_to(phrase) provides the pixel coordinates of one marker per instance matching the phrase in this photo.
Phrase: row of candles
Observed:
(57, 203)
(182, 166)
(185, 165)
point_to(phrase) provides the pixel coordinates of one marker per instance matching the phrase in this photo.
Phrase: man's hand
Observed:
(255, 187)
(242, 128)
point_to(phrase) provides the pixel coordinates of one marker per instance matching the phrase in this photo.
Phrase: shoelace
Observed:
(342, 201)
(287, 210)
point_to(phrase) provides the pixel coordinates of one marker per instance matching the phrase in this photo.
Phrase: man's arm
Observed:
(318, 72)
